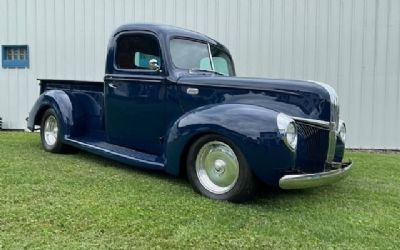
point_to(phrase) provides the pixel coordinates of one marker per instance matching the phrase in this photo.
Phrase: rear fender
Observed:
(62, 105)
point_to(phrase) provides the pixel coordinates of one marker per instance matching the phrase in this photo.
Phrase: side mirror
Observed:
(153, 64)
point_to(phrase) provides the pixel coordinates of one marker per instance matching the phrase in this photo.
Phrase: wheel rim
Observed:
(217, 167)
(50, 130)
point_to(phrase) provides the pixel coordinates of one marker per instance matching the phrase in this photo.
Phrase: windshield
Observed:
(192, 55)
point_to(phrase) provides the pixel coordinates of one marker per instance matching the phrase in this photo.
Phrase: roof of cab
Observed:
(166, 30)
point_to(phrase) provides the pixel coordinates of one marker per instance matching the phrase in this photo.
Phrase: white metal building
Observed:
(353, 45)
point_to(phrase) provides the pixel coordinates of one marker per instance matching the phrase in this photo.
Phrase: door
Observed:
(135, 94)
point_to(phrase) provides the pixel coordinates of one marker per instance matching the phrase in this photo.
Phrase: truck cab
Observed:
(171, 101)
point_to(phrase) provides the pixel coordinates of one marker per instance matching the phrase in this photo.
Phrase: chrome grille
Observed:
(312, 149)
(317, 145)
(306, 130)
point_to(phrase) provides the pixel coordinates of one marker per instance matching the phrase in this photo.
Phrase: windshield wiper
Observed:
(207, 71)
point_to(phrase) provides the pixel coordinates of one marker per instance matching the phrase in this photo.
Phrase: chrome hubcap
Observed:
(217, 167)
(50, 130)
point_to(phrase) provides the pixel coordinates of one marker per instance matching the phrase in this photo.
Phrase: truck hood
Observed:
(297, 98)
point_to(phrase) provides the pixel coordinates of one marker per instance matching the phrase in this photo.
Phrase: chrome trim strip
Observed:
(301, 181)
(134, 79)
(211, 60)
(319, 123)
(83, 144)
(332, 146)
(138, 77)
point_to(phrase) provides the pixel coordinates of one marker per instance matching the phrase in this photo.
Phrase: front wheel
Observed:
(50, 132)
(217, 169)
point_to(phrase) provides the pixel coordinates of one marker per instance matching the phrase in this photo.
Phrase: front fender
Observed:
(253, 129)
(60, 102)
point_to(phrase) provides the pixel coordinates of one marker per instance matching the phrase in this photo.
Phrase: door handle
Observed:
(192, 91)
(112, 85)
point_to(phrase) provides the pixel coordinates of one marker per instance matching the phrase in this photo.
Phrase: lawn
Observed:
(84, 201)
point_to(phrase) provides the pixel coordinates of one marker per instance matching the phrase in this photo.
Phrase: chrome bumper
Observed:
(300, 181)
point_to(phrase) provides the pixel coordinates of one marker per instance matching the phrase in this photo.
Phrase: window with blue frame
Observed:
(15, 56)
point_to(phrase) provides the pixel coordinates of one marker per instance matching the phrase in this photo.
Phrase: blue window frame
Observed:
(15, 56)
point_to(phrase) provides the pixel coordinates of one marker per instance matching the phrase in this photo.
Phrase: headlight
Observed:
(342, 131)
(288, 130)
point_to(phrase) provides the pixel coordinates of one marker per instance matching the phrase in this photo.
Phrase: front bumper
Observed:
(300, 181)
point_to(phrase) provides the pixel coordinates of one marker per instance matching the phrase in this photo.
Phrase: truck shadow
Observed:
(264, 194)
(104, 162)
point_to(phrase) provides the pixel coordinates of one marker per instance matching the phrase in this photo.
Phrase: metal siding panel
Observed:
(310, 40)
(89, 36)
(333, 43)
(253, 36)
(393, 72)
(59, 40)
(274, 49)
(40, 60)
(298, 39)
(190, 15)
(69, 30)
(50, 36)
(357, 82)
(100, 39)
(351, 45)
(229, 13)
(119, 13)
(4, 83)
(368, 78)
(79, 42)
(348, 73)
(12, 110)
(379, 73)
(287, 49)
(264, 44)
(180, 13)
(31, 84)
(109, 24)
(20, 102)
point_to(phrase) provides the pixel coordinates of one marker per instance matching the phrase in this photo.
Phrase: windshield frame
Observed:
(218, 46)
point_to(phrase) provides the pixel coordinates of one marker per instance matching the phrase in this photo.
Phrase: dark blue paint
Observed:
(292, 97)
(150, 120)
(253, 129)
(60, 102)
(142, 104)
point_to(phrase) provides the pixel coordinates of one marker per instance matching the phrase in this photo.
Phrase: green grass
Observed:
(83, 201)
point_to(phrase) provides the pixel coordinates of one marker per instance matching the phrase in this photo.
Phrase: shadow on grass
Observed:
(129, 168)
(272, 193)
(264, 193)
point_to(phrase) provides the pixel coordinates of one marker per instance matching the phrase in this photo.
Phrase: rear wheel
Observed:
(217, 169)
(50, 132)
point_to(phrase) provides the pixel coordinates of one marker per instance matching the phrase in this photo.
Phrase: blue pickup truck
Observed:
(171, 101)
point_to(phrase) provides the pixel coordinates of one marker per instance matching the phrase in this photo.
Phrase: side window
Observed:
(221, 65)
(138, 52)
(222, 62)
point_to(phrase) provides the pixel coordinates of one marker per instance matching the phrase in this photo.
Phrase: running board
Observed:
(117, 153)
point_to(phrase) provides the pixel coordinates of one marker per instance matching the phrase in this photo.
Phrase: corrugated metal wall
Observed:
(353, 45)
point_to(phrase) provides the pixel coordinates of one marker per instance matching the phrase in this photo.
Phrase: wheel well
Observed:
(182, 162)
(39, 114)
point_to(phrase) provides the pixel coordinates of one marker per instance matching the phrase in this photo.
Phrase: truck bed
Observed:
(88, 133)
(87, 98)
(90, 86)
